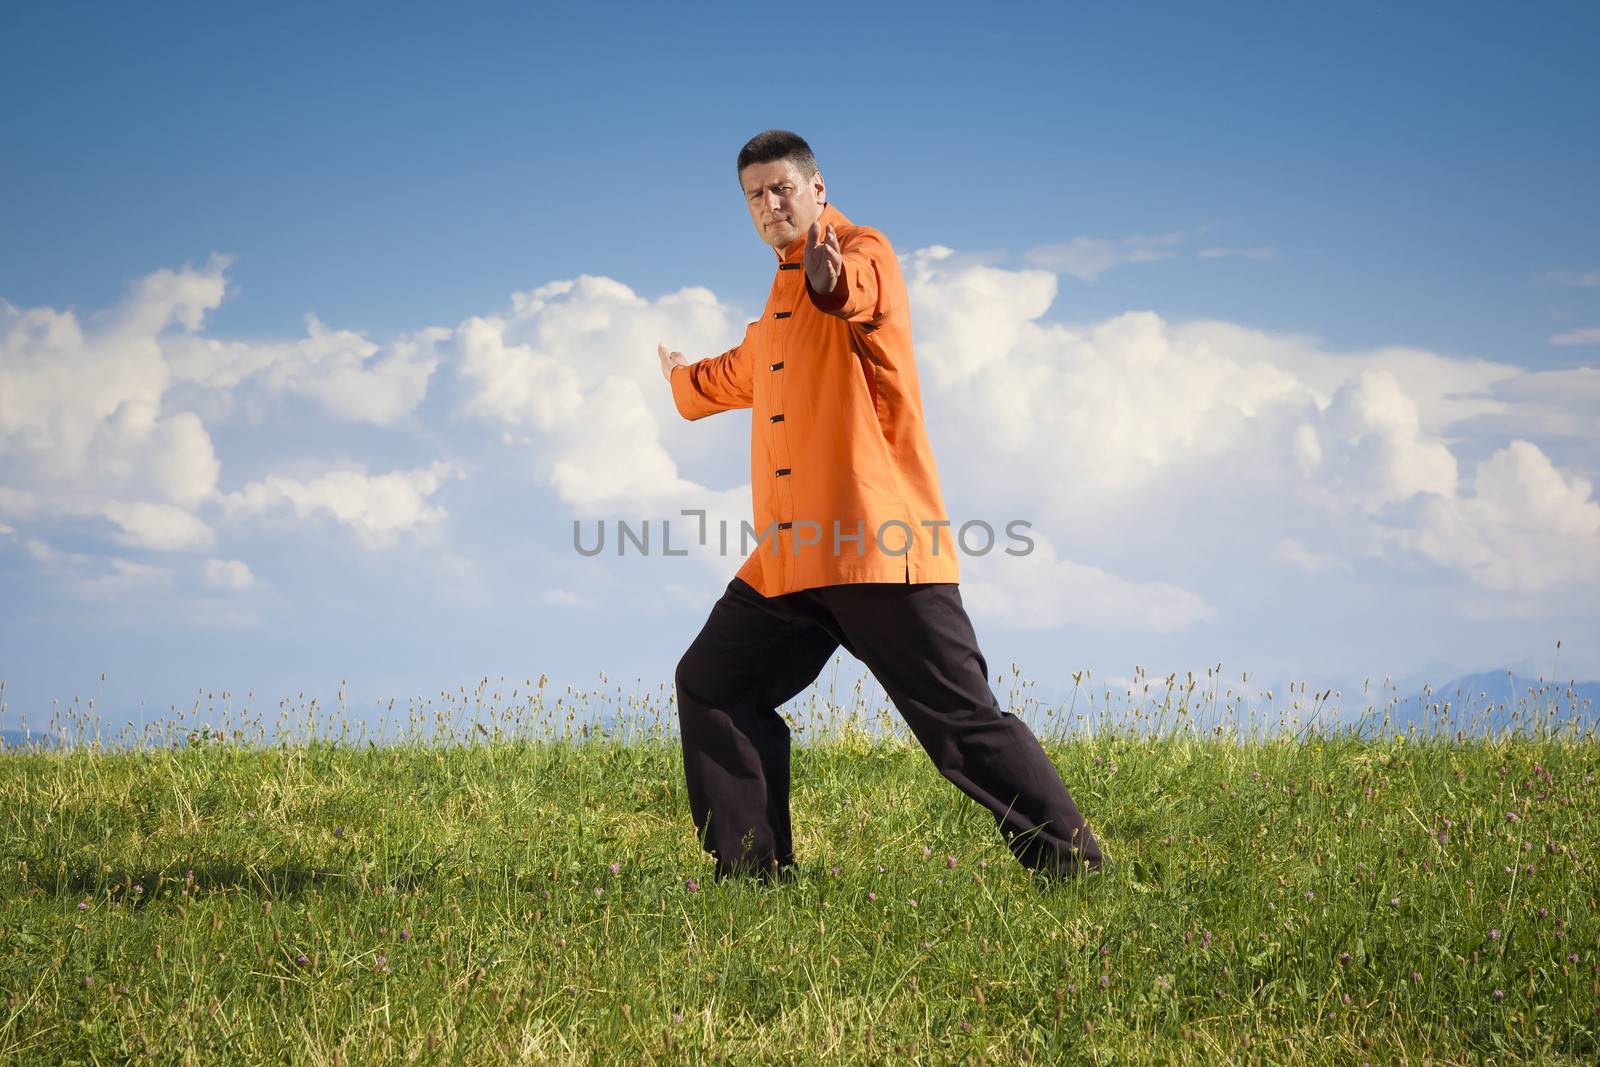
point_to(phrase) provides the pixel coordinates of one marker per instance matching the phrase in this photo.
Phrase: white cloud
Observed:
(1370, 449)
(1292, 552)
(514, 383)
(377, 508)
(99, 419)
(125, 578)
(230, 574)
(1086, 258)
(1109, 419)
(1040, 590)
(1553, 403)
(1090, 411)
(340, 370)
(1445, 389)
(570, 373)
(17, 503)
(1263, 252)
(1526, 527)
(162, 527)
(1589, 279)
(1588, 336)
(100, 578)
(966, 319)
(81, 419)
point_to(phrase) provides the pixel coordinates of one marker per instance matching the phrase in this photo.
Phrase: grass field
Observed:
(512, 887)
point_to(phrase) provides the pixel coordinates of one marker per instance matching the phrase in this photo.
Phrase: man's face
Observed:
(782, 203)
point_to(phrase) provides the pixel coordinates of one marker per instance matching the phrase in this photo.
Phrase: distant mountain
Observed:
(1490, 701)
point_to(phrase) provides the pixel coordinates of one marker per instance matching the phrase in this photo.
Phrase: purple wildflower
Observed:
(1499, 995)
(303, 960)
(338, 831)
(405, 935)
(1512, 816)
(691, 885)
(1105, 980)
(949, 861)
(615, 868)
(83, 905)
(1494, 935)
(872, 896)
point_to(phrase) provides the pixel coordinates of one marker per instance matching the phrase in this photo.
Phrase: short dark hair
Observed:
(769, 146)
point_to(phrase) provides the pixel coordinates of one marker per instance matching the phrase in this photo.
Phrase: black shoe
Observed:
(1071, 872)
(767, 873)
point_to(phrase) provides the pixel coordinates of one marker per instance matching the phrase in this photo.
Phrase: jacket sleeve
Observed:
(862, 294)
(718, 383)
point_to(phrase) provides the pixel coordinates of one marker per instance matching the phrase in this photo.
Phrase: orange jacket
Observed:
(837, 444)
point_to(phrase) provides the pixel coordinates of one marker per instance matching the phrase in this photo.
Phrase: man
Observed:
(848, 517)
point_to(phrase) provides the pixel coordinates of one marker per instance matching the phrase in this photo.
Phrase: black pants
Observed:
(756, 653)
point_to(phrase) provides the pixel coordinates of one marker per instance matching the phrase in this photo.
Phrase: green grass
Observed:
(1308, 897)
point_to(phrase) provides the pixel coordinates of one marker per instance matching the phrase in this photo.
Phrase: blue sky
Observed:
(1314, 296)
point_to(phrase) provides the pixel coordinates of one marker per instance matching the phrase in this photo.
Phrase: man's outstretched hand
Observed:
(824, 261)
(669, 360)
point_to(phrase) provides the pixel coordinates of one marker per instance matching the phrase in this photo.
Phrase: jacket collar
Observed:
(796, 251)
